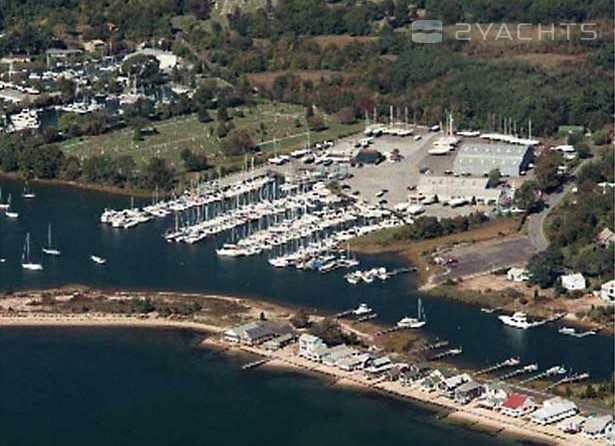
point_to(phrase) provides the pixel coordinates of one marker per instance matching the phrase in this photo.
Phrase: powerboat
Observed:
(518, 320)
(98, 260)
(361, 310)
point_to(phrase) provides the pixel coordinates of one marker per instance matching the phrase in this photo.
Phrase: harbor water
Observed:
(139, 258)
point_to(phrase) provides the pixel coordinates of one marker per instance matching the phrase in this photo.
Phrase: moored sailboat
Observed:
(26, 262)
(49, 249)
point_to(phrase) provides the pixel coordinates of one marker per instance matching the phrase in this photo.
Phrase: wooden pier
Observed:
(429, 347)
(254, 364)
(507, 363)
(446, 354)
(521, 371)
(367, 317)
(549, 372)
(569, 379)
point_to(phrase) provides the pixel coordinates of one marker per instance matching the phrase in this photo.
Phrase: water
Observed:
(96, 386)
(140, 259)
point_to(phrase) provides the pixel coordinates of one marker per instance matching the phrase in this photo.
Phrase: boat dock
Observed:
(446, 354)
(530, 368)
(569, 379)
(344, 314)
(367, 317)
(507, 363)
(549, 372)
(254, 364)
(429, 347)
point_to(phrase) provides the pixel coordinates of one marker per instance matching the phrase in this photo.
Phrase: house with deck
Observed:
(554, 410)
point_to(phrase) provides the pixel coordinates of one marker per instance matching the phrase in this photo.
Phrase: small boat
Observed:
(49, 250)
(230, 250)
(414, 322)
(9, 213)
(26, 262)
(518, 320)
(571, 331)
(3, 206)
(27, 193)
(361, 310)
(98, 260)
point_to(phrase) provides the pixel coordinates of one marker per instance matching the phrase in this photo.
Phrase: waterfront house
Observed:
(354, 362)
(494, 395)
(605, 238)
(517, 405)
(573, 282)
(312, 347)
(468, 391)
(517, 275)
(433, 380)
(571, 425)
(447, 386)
(279, 342)
(334, 354)
(414, 373)
(607, 291)
(254, 333)
(598, 427)
(554, 410)
(379, 366)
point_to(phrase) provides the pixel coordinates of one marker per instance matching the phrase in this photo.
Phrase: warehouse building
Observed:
(449, 188)
(480, 159)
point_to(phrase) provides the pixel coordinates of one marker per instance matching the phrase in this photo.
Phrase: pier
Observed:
(367, 317)
(569, 379)
(446, 354)
(557, 370)
(530, 368)
(507, 363)
(429, 347)
(254, 364)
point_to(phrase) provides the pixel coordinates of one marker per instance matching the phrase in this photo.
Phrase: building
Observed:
(598, 427)
(517, 275)
(378, 366)
(605, 238)
(494, 395)
(554, 410)
(166, 59)
(607, 291)
(573, 282)
(94, 46)
(414, 373)
(369, 156)
(279, 342)
(571, 425)
(448, 386)
(334, 354)
(480, 159)
(517, 405)
(449, 188)
(468, 391)
(354, 362)
(312, 347)
(255, 332)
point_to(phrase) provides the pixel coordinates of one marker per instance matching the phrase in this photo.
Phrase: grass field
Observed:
(266, 121)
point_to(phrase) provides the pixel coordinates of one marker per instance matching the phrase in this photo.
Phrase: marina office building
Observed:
(480, 159)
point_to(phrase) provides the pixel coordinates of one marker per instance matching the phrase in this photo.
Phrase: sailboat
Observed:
(27, 193)
(414, 322)
(26, 262)
(9, 213)
(3, 206)
(49, 249)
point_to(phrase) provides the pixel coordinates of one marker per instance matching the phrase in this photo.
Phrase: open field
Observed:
(416, 252)
(266, 79)
(265, 121)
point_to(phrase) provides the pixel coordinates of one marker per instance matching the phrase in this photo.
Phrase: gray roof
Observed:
(595, 425)
(482, 158)
(469, 386)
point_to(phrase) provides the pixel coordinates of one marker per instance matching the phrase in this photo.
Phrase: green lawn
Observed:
(266, 121)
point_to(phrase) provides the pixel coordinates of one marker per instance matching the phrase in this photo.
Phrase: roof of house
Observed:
(595, 425)
(554, 406)
(514, 401)
(469, 387)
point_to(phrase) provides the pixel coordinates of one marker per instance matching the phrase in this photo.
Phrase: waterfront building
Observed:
(448, 188)
(255, 332)
(167, 60)
(517, 275)
(334, 354)
(573, 282)
(598, 427)
(480, 159)
(355, 362)
(379, 366)
(434, 379)
(312, 347)
(572, 425)
(448, 386)
(517, 405)
(468, 391)
(494, 395)
(607, 291)
(554, 410)
(279, 342)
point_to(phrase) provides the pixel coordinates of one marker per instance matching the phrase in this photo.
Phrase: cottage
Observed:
(334, 354)
(573, 282)
(379, 365)
(312, 347)
(607, 291)
(433, 380)
(517, 405)
(355, 362)
(468, 391)
(571, 425)
(494, 395)
(554, 410)
(448, 385)
(517, 275)
(598, 427)
(279, 342)
(414, 373)
(605, 238)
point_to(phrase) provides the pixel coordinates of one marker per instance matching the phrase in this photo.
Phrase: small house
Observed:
(312, 347)
(554, 410)
(573, 282)
(448, 386)
(517, 275)
(607, 291)
(253, 333)
(354, 362)
(494, 395)
(598, 427)
(517, 405)
(468, 391)
(379, 366)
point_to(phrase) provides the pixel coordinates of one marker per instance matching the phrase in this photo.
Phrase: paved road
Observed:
(536, 223)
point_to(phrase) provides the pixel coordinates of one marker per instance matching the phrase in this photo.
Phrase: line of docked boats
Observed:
(367, 276)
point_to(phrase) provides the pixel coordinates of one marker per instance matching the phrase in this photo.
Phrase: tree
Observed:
(545, 267)
(203, 114)
(192, 161)
(316, 123)
(547, 173)
(158, 174)
(527, 195)
(237, 142)
(300, 319)
(494, 177)
(200, 8)
(346, 115)
(67, 88)
(144, 69)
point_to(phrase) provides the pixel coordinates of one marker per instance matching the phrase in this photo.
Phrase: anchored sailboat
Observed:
(9, 213)
(49, 249)
(414, 322)
(27, 193)
(26, 262)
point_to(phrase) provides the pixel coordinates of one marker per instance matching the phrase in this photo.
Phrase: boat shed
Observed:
(480, 159)
(450, 188)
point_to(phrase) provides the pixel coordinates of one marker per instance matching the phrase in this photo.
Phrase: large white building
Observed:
(166, 59)
(607, 291)
(554, 410)
(449, 188)
(573, 282)
(480, 159)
